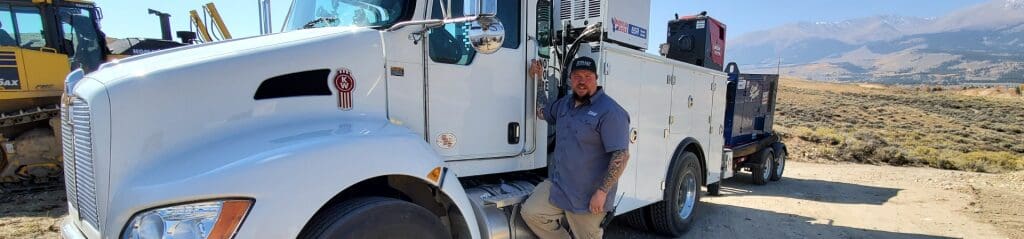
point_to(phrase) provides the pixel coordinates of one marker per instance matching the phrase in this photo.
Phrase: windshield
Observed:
(362, 13)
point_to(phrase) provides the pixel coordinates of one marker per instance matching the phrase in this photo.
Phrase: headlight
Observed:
(215, 219)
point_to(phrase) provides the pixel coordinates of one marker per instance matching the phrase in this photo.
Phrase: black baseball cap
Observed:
(584, 63)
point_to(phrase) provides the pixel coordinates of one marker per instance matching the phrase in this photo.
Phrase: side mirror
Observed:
(486, 34)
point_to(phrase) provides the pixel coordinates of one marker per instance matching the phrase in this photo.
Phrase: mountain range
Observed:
(979, 44)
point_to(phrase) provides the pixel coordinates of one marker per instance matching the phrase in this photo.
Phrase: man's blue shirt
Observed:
(586, 135)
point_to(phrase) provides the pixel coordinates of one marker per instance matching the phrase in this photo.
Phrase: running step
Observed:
(505, 200)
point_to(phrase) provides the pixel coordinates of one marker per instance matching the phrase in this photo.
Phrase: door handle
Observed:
(513, 133)
(44, 49)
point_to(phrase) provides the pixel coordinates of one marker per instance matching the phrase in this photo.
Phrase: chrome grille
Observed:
(79, 170)
(67, 141)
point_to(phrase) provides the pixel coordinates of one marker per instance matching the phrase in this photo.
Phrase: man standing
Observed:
(591, 150)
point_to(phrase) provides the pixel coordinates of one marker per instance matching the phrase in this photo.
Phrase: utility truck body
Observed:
(388, 107)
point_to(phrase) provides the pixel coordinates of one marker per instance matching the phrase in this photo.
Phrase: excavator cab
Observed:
(42, 41)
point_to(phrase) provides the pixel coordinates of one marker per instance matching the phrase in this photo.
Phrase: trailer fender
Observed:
(780, 148)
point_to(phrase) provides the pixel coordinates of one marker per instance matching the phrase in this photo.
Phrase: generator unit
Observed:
(750, 107)
(697, 39)
(624, 22)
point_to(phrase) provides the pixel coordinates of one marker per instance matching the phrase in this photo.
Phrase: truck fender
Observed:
(692, 145)
(291, 171)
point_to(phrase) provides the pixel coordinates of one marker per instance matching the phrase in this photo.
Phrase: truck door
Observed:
(476, 102)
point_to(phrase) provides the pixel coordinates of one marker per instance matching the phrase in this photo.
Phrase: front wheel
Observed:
(674, 215)
(375, 217)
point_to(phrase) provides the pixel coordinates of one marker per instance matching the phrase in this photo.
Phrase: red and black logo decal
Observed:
(344, 83)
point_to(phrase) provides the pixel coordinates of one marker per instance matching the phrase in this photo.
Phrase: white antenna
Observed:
(778, 67)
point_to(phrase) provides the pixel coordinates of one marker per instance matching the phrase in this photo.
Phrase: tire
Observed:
(375, 217)
(636, 219)
(778, 166)
(674, 215)
(715, 189)
(761, 173)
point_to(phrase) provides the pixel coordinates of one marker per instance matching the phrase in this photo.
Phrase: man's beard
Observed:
(581, 98)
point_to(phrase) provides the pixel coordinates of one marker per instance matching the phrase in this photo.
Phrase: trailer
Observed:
(362, 117)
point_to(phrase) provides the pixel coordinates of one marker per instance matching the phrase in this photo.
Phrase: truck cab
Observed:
(363, 112)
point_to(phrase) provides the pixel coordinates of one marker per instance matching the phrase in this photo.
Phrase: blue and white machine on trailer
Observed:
(750, 141)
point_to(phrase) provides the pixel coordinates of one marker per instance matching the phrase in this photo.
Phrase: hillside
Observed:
(977, 44)
(949, 129)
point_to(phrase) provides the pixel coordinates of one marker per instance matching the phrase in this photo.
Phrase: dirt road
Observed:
(862, 201)
(814, 200)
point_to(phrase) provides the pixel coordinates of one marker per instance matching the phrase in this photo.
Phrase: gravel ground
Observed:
(814, 200)
(817, 200)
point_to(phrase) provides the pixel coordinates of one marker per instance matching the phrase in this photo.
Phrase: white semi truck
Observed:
(378, 118)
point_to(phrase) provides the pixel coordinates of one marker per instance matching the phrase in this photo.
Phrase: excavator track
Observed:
(24, 182)
(25, 116)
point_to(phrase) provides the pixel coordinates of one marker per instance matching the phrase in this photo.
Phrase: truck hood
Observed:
(166, 104)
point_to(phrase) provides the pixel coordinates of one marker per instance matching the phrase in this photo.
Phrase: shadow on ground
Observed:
(809, 189)
(726, 221)
(43, 204)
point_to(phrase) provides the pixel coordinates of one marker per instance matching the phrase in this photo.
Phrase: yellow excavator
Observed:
(41, 41)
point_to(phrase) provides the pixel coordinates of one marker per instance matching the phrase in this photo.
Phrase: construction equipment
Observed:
(40, 42)
(211, 10)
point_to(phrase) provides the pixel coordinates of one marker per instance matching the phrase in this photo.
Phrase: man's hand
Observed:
(597, 201)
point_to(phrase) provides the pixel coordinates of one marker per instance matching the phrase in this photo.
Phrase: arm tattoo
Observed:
(542, 96)
(615, 169)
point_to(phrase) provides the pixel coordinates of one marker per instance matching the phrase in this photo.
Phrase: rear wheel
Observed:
(375, 217)
(761, 173)
(637, 219)
(780, 165)
(674, 215)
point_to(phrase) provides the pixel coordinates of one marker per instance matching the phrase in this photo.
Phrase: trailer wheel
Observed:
(715, 189)
(779, 165)
(375, 217)
(762, 173)
(673, 215)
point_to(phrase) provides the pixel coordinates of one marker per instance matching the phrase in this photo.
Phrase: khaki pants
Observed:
(542, 217)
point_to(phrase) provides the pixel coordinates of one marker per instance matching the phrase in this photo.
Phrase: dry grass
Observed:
(845, 122)
(35, 215)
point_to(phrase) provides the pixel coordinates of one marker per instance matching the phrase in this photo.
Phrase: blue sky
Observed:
(129, 18)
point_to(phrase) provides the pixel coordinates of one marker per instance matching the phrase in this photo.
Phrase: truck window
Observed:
(80, 39)
(29, 27)
(544, 25)
(450, 43)
(509, 12)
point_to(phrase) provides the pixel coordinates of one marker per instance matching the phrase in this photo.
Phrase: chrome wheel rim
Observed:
(767, 167)
(688, 193)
